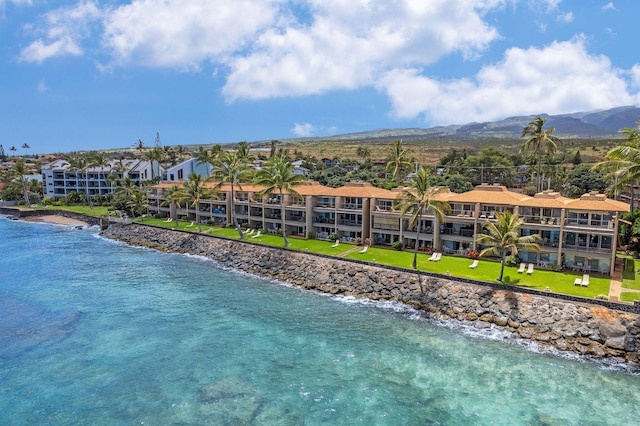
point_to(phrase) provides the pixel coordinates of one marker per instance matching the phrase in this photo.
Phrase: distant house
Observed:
(181, 172)
(328, 163)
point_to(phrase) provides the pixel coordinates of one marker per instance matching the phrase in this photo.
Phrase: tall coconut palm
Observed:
(503, 237)
(399, 160)
(80, 163)
(19, 171)
(242, 151)
(539, 141)
(277, 175)
(196, 189)
(174, 197)
(230, 168)
(623, 162)
(420, 199)
(26, 147)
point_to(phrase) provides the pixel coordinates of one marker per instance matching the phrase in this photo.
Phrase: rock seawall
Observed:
(583, 328)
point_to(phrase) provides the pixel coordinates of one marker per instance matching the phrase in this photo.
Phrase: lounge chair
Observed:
(249, 231)
(523, 266)
(168, 219)
(258, 234)
(530, 269)
(437, 257)
(577, 281)
(364, 250)
(585, 280)
(336, 244)
(190, 225)
(474, 265)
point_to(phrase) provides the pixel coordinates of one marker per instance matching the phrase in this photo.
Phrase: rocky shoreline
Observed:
(583, 328)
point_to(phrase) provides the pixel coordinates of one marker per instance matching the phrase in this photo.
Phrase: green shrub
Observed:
(312, 235)
(512, 260)
(398, 245)
(332, 237)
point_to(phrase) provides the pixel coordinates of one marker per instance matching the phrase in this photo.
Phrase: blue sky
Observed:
(89, 74)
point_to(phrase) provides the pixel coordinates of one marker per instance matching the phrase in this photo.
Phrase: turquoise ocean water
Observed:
(95, 332)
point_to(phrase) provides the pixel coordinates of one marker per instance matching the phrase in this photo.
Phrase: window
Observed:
(180, 174)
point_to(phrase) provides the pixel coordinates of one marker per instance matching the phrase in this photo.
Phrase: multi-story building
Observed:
(60, 178)
(575, 233)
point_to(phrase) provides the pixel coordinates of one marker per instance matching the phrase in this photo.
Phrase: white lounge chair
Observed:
(364, 250)
(585, 280)
(168, 219)
(577, 281)
(249, 231)
(474, 265)
(258, 234)
(437, 257)
(433, 256)
(530, 269)
(522, 267)
(336, 244)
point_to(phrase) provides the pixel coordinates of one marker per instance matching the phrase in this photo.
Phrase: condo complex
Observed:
(578, 234)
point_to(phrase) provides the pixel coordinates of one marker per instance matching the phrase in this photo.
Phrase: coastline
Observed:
(56, 220)
(576, 326)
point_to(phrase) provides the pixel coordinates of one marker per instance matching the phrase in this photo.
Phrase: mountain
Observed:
(604, 124)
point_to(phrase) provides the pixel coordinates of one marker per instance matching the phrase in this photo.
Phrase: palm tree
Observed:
(125, 193)
(13, 148)
(174, 197)
(19, 171)
(25, 146)
(623, 162)
(230, 168)
(399, 160)
(139, 146)
(196, 189)
(81, 164)
(204, 156)
(504, 237)
(539, 141)
(242, 151)
(419, 199)
(277, 175)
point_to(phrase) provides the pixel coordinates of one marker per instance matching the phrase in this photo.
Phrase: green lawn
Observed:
(631, 274)
(487, 270)
(627, 296)
(96, 211)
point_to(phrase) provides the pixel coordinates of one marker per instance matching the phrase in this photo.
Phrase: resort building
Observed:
(59, 178)
(575, 233)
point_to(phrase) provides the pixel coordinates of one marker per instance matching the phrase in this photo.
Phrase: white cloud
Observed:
(349, 44)
(609, 6)
(16, 2)
(175, 33)
(303, 130)
(565, 18)
(555, 79)
(65, 29)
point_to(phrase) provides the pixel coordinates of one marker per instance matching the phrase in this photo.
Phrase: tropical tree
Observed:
(399, 160)
(539, 141)
(125, 192)
(13, 149)
(19, 172)
(277, 175)
(420, 199)
(174, 197)
(242, 151)
(196, 190)
(622, 162)
(503, 237)
(81, 163)
(204, 156)
(231, 168)
(26, 147)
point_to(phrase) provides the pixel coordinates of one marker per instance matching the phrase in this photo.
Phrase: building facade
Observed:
(59, 179)
(578, 234)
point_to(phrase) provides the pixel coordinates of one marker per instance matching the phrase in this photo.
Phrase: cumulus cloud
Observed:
(64, 30)
(558, 78)
(565, 18)
(349, 44)
(303, 130)
(175, 33)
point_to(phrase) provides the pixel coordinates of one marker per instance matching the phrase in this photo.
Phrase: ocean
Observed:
(95, 332)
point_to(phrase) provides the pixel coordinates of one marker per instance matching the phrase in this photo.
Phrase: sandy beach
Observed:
(58, 220)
